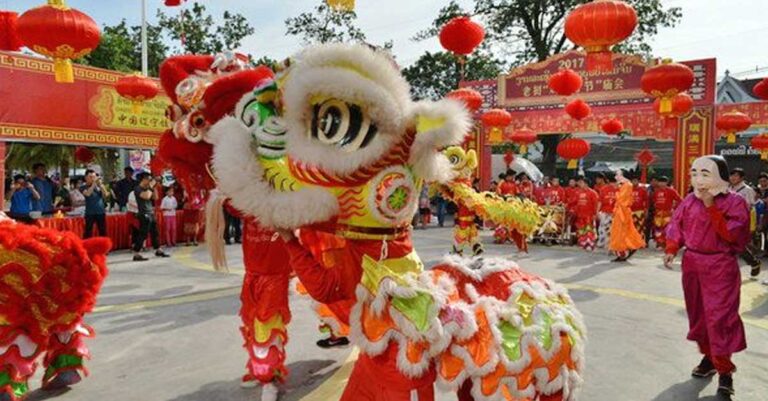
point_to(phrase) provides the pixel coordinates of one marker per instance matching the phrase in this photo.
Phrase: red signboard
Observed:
(35, 108)
(695, 139)
(758, 112)
(526, 88)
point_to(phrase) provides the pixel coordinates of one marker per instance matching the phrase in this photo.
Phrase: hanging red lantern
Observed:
(565, 82)
(597, 27)
(471, 98)
(9, 38)
(573, 149)
(682, 103)
(523, 137)
(84, 155)
(509, 158)
(761, 89)
(496, 120)
(59, 32)
(760, 143)
(172, 3)
(732, 123)
(138, 89)
(578, 109)
(645, 158)
(613, 126)
(665, 81)
(461, 35)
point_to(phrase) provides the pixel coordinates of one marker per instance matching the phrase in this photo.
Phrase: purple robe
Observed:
(711, 276)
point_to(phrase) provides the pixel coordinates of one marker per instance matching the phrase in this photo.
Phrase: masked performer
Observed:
(625, 239)
(712, 225)
(665, 199)
(48, 281)
(340, 183)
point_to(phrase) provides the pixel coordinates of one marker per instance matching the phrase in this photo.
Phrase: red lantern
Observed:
(761, 89)
(682, 103)
(461, 36)
(760, 142)
(509, 158)
(732, 123)
(573, 149)
(9, 38)
(578, 109)
(523, 137)
(599, 25)
(62, 33)
(645, 158)
(471, 98)
(565, 82)
(612, 126)
(172, 3)
(137, 88)
(665, 81)
(496, 120)
(84, 155)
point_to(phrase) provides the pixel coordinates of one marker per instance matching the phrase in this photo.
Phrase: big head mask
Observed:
(709, 173)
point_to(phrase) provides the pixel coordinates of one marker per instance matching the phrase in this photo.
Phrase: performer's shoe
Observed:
(705, 369)
(139, 258)
(755, 271)
(725, 386)
(63, 379)
(161, 254)
(333, 342)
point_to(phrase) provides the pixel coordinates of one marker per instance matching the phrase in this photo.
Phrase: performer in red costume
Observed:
(665, 200)
(508, 186)
(607, 193)
(639, 205)
(583, 207)
(712, 224)
(554, 194)
(526, 187)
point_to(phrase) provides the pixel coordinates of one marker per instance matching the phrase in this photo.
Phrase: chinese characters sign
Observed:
(86, 112)
(695, 139)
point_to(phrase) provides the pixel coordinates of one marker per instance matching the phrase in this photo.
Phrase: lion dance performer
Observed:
(583, 207)
(465, 235)
(337, 172)
(48, 281)
(712, 225)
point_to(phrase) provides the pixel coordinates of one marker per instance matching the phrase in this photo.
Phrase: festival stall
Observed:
(86, 112)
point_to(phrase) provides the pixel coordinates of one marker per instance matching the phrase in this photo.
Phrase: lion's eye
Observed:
(197, 120)
(454, 159)
(342, 124)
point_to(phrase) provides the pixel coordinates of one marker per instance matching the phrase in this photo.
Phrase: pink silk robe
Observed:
(713, 239)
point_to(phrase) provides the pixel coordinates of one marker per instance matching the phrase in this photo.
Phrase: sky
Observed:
(733, 31)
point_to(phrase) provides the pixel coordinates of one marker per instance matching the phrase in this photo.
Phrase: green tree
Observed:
(120, 49)
(201, 34)
(435, 74)
(325, 24)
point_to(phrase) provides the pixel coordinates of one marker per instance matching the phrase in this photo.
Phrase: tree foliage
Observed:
(435, 74)
(325, 24)
(200, 33)
(120, 49)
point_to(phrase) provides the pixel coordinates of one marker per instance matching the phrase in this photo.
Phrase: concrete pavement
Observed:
(168, 330)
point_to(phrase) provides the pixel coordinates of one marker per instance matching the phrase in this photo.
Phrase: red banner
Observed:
(696, 139)
(35, 108)
(758, 112)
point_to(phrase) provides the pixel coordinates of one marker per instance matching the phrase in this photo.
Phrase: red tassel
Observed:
(600, 61)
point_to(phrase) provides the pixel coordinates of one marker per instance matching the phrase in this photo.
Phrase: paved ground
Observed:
(167, 331)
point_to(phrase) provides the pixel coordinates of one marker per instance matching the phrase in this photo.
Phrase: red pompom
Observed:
(461, 36)
(178, 68)
(612, 126)
(224, 93)
(578, 109)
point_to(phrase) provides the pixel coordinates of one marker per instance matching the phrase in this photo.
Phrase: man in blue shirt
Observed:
(22, 195)
(95, 210)
(45, 188)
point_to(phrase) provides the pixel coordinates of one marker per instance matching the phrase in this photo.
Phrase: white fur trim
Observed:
(427, 160)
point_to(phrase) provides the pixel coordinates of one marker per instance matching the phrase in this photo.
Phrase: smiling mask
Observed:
(709, 173)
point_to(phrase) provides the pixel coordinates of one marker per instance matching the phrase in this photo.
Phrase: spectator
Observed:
(22, 196)
(441, 209)
(494, 186)
(76, 198)
(62, 195)
(739, 187)
(94, 192)
(145, 193)
(169, 206)
(124, 187)
(525, 188)
(508, 186)
(231, 228)
(425, 210)
(45, 187)
(193, 206)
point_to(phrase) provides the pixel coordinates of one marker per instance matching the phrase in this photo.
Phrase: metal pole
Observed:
(144, 54)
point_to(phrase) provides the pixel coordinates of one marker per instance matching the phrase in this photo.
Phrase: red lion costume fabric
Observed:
(48, 281)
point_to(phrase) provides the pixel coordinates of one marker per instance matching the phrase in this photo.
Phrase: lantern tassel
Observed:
(572, 164)
(496, 135)
(136, 107)
(731, 138)
(523, 149)
(764, 155)
(665, 105)
(599, 60)
(63, 71)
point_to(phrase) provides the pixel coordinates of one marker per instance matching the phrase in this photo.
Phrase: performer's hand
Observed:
(668, 259)
(707, 198)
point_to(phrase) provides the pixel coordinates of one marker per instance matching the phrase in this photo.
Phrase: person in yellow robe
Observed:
(625, 239)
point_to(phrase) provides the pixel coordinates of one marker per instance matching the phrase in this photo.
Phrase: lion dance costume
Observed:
(48, 281)
(335, 149)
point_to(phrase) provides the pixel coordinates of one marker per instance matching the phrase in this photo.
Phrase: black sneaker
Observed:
(161, 254)
(228, 242)
(755, 271)
(333, 342)
(705, 369)
(139, 258)
(725, 387)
